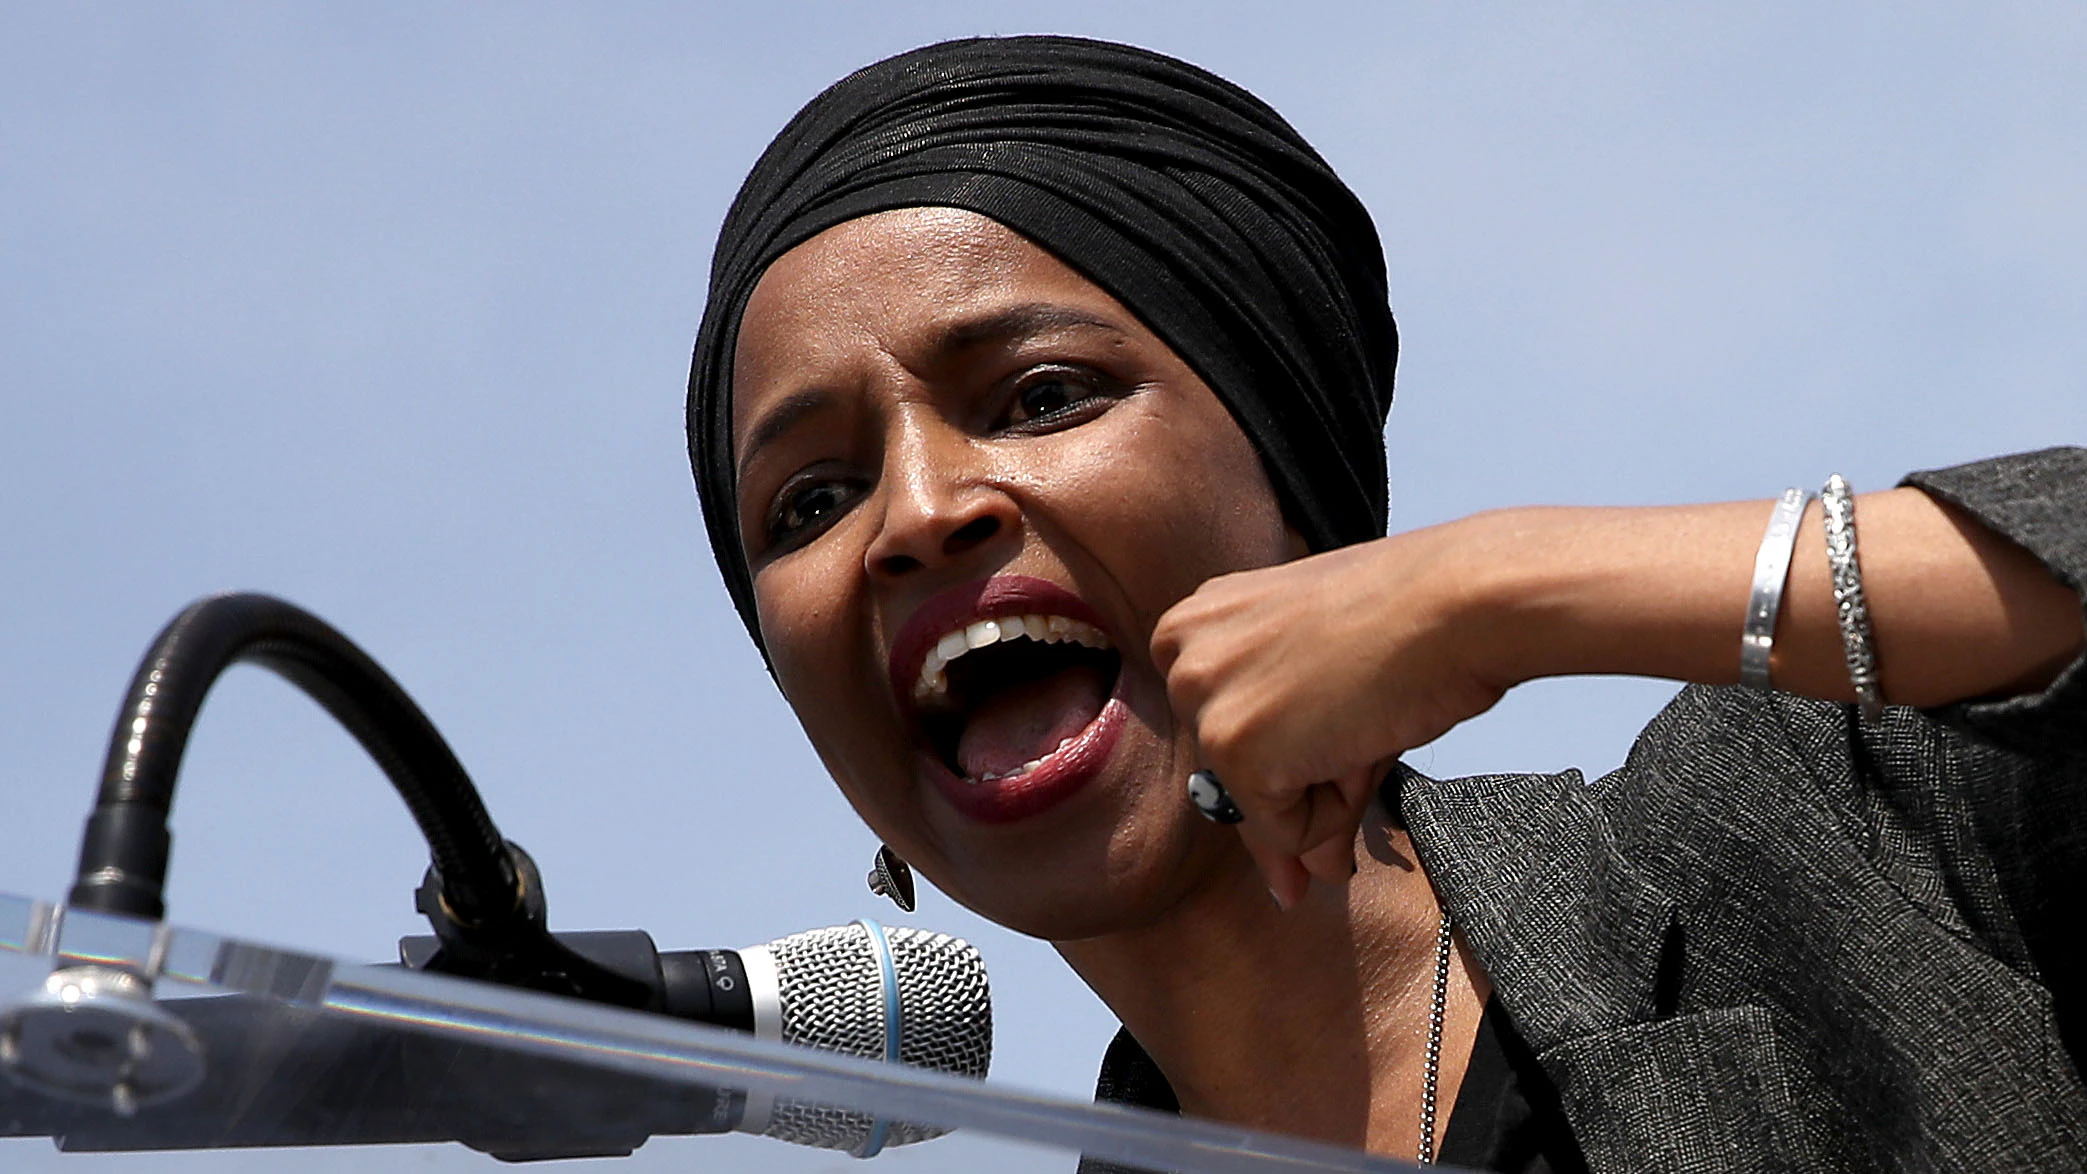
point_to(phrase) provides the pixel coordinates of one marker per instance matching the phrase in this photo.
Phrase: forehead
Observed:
(895, 285)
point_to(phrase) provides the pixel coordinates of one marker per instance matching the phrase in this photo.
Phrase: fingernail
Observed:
(1279, 902)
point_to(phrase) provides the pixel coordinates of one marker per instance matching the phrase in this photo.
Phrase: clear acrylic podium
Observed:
(227, 1051)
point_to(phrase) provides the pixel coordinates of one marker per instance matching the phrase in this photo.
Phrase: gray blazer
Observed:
(1776, 940)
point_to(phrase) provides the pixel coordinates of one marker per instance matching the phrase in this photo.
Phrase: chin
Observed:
(1121, 868)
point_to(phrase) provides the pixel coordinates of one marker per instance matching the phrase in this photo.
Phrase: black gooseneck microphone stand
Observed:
(94, 1035)
(482, 894)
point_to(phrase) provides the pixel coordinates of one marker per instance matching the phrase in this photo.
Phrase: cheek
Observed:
(815, 621)
(811, 622)
(1164, 498)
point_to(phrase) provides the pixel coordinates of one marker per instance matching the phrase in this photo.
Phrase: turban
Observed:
(1185, 197)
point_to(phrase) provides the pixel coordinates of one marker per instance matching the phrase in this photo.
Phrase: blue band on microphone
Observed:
(880, 946)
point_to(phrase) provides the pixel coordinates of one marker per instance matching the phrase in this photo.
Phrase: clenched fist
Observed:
(1302, 682)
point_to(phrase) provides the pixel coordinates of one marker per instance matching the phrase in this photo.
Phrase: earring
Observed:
(892, 877)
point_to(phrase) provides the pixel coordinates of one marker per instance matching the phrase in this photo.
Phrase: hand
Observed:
(1303, 682)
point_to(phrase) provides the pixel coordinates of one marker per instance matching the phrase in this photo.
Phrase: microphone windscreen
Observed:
(832, 991)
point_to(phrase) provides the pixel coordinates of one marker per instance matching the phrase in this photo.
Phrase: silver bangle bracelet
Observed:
(1858, 641)
(1771, 571)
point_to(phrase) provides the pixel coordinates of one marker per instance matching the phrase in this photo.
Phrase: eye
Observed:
(1042, 399)
(806, 505)
(1054, 398)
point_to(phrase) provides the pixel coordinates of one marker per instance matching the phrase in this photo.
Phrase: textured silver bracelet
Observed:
(1771, 571)
(1857, 639)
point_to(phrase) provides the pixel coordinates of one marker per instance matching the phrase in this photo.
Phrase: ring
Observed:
(1210, 798)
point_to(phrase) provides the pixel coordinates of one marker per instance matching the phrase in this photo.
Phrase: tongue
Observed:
(1027, 721)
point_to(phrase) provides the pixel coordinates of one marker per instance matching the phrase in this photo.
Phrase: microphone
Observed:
(897, 994)
(284, 1074)
(901, 995)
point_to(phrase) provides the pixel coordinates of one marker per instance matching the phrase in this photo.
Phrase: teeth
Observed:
(1016, 773)
(1026, 767)
(1049, 629)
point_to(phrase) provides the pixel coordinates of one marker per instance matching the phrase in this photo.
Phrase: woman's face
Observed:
(970, 482)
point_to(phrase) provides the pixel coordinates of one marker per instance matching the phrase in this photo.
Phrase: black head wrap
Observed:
(1182, 195)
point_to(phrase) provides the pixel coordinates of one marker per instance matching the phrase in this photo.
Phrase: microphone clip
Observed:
(518, 949)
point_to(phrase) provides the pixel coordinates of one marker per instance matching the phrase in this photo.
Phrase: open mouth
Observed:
(1014, 697)
(1000, 696)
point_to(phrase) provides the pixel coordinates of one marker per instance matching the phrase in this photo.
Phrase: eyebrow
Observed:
(780, 419)
(1025, 321)
(1016, 322)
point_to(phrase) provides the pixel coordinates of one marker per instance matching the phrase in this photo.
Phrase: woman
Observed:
(1037, 414)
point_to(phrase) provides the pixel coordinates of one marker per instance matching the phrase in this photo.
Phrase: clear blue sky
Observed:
(386, 308)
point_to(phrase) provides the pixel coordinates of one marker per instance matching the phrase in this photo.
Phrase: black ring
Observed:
(1211, 798)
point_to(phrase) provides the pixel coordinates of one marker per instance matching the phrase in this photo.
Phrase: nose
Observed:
(939, 505)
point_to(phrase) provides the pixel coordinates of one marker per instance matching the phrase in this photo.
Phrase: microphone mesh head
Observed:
(832, 994)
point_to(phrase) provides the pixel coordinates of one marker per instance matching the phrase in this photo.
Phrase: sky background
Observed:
(386, 309)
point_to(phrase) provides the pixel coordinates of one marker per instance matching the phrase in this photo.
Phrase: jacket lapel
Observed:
(1577, 943)
(1569, 932)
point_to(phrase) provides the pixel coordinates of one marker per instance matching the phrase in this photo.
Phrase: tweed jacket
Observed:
(1776, 939)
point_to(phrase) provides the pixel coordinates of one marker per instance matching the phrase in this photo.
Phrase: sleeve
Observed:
(2038, 501)
(1977, 812)
(2017, 766)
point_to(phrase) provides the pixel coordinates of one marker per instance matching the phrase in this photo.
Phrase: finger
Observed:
(1332, 862)
(1170, 634)
(1328, 857)
(1329, 851)
(1165, 647)
(1358, 787)
(1278, 830)
(1286, 876)
(1291, 822)
(1328, 815)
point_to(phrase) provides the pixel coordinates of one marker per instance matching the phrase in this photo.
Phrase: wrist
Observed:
(1514, 593)
(1655, 592)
